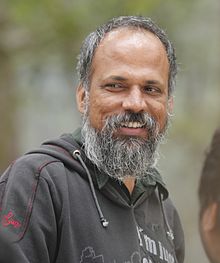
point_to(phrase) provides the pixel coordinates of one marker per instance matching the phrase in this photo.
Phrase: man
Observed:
(209, 201)
(95, 195)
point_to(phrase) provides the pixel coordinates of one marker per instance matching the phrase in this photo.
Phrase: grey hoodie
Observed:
(51, 201)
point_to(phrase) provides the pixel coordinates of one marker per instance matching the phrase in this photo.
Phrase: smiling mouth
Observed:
(133, 125)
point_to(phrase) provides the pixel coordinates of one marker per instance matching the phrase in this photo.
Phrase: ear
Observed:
(209, 217)
(80, 98)
(170, 105)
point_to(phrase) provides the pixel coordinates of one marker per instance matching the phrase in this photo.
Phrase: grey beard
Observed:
(122, 156)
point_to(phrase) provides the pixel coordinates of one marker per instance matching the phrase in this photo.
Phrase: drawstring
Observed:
(169, 230)
(77, 155)
(104, 222)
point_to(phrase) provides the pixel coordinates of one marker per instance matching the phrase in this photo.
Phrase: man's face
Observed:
(125, 111)
(129, 74)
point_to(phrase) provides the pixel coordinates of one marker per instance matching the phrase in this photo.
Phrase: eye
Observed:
(149, 89)
(113, 86)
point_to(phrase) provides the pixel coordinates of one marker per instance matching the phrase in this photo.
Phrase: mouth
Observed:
(133, 125)
(134, 129)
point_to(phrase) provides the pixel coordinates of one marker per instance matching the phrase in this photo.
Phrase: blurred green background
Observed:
(39, 42)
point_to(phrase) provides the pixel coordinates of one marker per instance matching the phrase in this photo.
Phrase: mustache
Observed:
(145, 119)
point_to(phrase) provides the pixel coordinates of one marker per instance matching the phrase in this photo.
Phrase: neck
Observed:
(129, 183)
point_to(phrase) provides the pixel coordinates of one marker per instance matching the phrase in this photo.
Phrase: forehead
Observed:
(133, 36)
(126, 42)
(132, 48)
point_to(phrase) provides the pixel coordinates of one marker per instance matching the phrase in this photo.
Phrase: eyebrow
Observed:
(120, 78)
(152, 82)
(115, 77)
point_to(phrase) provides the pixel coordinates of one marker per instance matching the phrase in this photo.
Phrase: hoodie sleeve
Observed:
(27, 208)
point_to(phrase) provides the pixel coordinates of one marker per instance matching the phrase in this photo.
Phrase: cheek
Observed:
(97, 113)
(159, 112)
(100, 107)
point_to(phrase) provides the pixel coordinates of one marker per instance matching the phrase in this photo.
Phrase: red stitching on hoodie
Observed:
(29, 208)
(31, 199)
(39, 169)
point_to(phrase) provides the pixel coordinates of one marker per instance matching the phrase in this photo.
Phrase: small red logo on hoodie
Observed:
(10, 220)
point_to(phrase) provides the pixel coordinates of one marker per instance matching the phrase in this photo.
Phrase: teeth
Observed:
(132, 124)
(135, 125)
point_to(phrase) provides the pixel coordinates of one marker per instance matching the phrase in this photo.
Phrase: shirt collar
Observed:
(152, 178)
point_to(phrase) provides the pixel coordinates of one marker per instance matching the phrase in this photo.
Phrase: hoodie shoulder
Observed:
(51, 151)
(28, 164)
(19, 186)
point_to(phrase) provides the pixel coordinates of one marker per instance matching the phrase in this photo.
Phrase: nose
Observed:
(134, 101)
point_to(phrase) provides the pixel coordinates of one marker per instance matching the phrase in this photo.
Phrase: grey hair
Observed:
(93, 40)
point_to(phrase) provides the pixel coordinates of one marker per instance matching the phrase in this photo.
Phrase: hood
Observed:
(62, 149)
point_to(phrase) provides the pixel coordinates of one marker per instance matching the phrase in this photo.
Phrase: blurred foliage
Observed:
(39, 41)
(33, 33)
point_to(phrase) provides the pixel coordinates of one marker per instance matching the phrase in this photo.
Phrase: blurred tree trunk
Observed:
(8, 142)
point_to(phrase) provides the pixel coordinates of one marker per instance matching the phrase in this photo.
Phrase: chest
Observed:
(134, 234)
